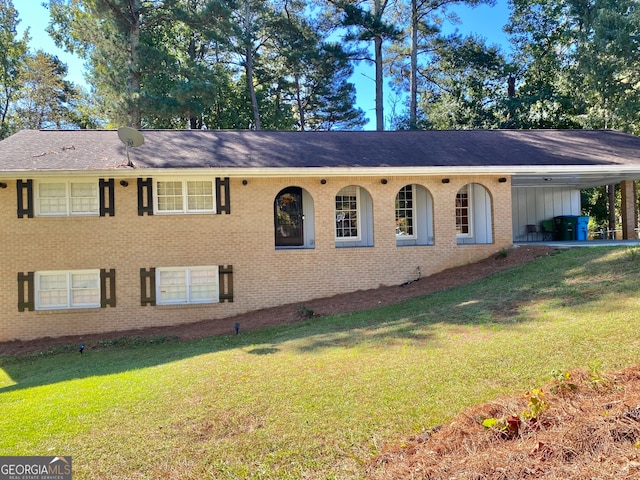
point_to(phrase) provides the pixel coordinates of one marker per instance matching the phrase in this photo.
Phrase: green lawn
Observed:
(317, 399)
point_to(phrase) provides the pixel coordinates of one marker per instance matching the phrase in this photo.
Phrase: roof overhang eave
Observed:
(264, 172)
(530, 171)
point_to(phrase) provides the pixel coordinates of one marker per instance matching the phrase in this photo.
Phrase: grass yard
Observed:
(318, 399)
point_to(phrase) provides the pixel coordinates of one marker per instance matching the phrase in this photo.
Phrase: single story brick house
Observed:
(192, 225)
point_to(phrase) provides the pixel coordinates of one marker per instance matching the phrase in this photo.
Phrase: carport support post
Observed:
(628, 207)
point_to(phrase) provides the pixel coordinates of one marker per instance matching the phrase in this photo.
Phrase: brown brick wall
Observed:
(628, 210)
(263, 276)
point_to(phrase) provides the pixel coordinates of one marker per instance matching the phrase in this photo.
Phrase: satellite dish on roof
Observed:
(131, 138)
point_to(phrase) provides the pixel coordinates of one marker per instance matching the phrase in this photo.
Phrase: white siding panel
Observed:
(533, 205)
(309, 219)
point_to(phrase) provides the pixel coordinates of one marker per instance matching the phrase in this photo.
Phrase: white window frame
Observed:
(412, 212)
(184, 196)
(468, 190)
(358, 215)
(162, 289)
(69, 209)
(68, 289)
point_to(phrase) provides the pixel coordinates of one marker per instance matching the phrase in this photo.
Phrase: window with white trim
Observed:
(184, 196)
(405, 212)
(348, 213)
(56, 199)
(463, 212)
(187, 285)
(67, 289)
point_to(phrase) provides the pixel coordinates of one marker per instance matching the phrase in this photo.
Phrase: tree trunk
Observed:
(252, 90)
(377, 45)
(301, 116)
(133, 67)
(248, 66)
(413, 80)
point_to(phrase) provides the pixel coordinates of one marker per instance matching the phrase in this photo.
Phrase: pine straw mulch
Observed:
(588, 429)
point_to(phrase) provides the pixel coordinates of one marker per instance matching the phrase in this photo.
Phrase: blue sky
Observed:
(484, 21)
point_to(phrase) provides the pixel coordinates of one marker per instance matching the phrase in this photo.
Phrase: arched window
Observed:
(474, 224)
(293, 218)
(414, 216)
(354, 217)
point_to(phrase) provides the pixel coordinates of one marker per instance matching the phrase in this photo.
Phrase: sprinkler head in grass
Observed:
(237, 327)
(81, 347)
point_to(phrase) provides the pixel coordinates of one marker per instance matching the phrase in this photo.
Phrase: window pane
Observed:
(84, 198)
(68, 289)
(84, 280)
(84, 190)
(85, 289)
(347, 213)
(204, 285)
(52, 190)
(52, 198)
(170, 196)
(200, 195)
(404, 211)
(173, 286)
(53, 298)
(201, 277)
(188, 285)
(53, 290)
(462, 211)
(201, 293)
(53, 282)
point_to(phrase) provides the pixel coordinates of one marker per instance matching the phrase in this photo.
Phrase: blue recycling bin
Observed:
(582, 228)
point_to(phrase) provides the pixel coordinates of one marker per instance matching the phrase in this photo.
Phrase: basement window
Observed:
(67, 289)
(187, 285)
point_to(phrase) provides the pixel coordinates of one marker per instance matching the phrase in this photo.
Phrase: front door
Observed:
(288, 218)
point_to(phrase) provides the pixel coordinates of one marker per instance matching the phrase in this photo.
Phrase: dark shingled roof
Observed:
(56, 150)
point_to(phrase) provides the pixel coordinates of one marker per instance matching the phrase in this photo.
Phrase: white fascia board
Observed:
(275, 172)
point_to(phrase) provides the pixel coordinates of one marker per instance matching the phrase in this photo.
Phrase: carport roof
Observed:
(531, 157)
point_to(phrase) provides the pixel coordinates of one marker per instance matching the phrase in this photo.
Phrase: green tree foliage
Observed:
(595, 204)
(107, 33)
(276, 64)
(46, 99)
(560, 45)
(464, 85)
(369, 21)
(543, 43)
(315, 74)
(417, 47)
(608, 65)
(12, 54)
(208, 63)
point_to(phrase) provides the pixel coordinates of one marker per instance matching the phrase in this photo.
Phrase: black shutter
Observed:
(145, 196)
(107, 288)
(25, 198)
(26, 292)
(222, 192)
(225, 283)
(106, 188)
(147, 287)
